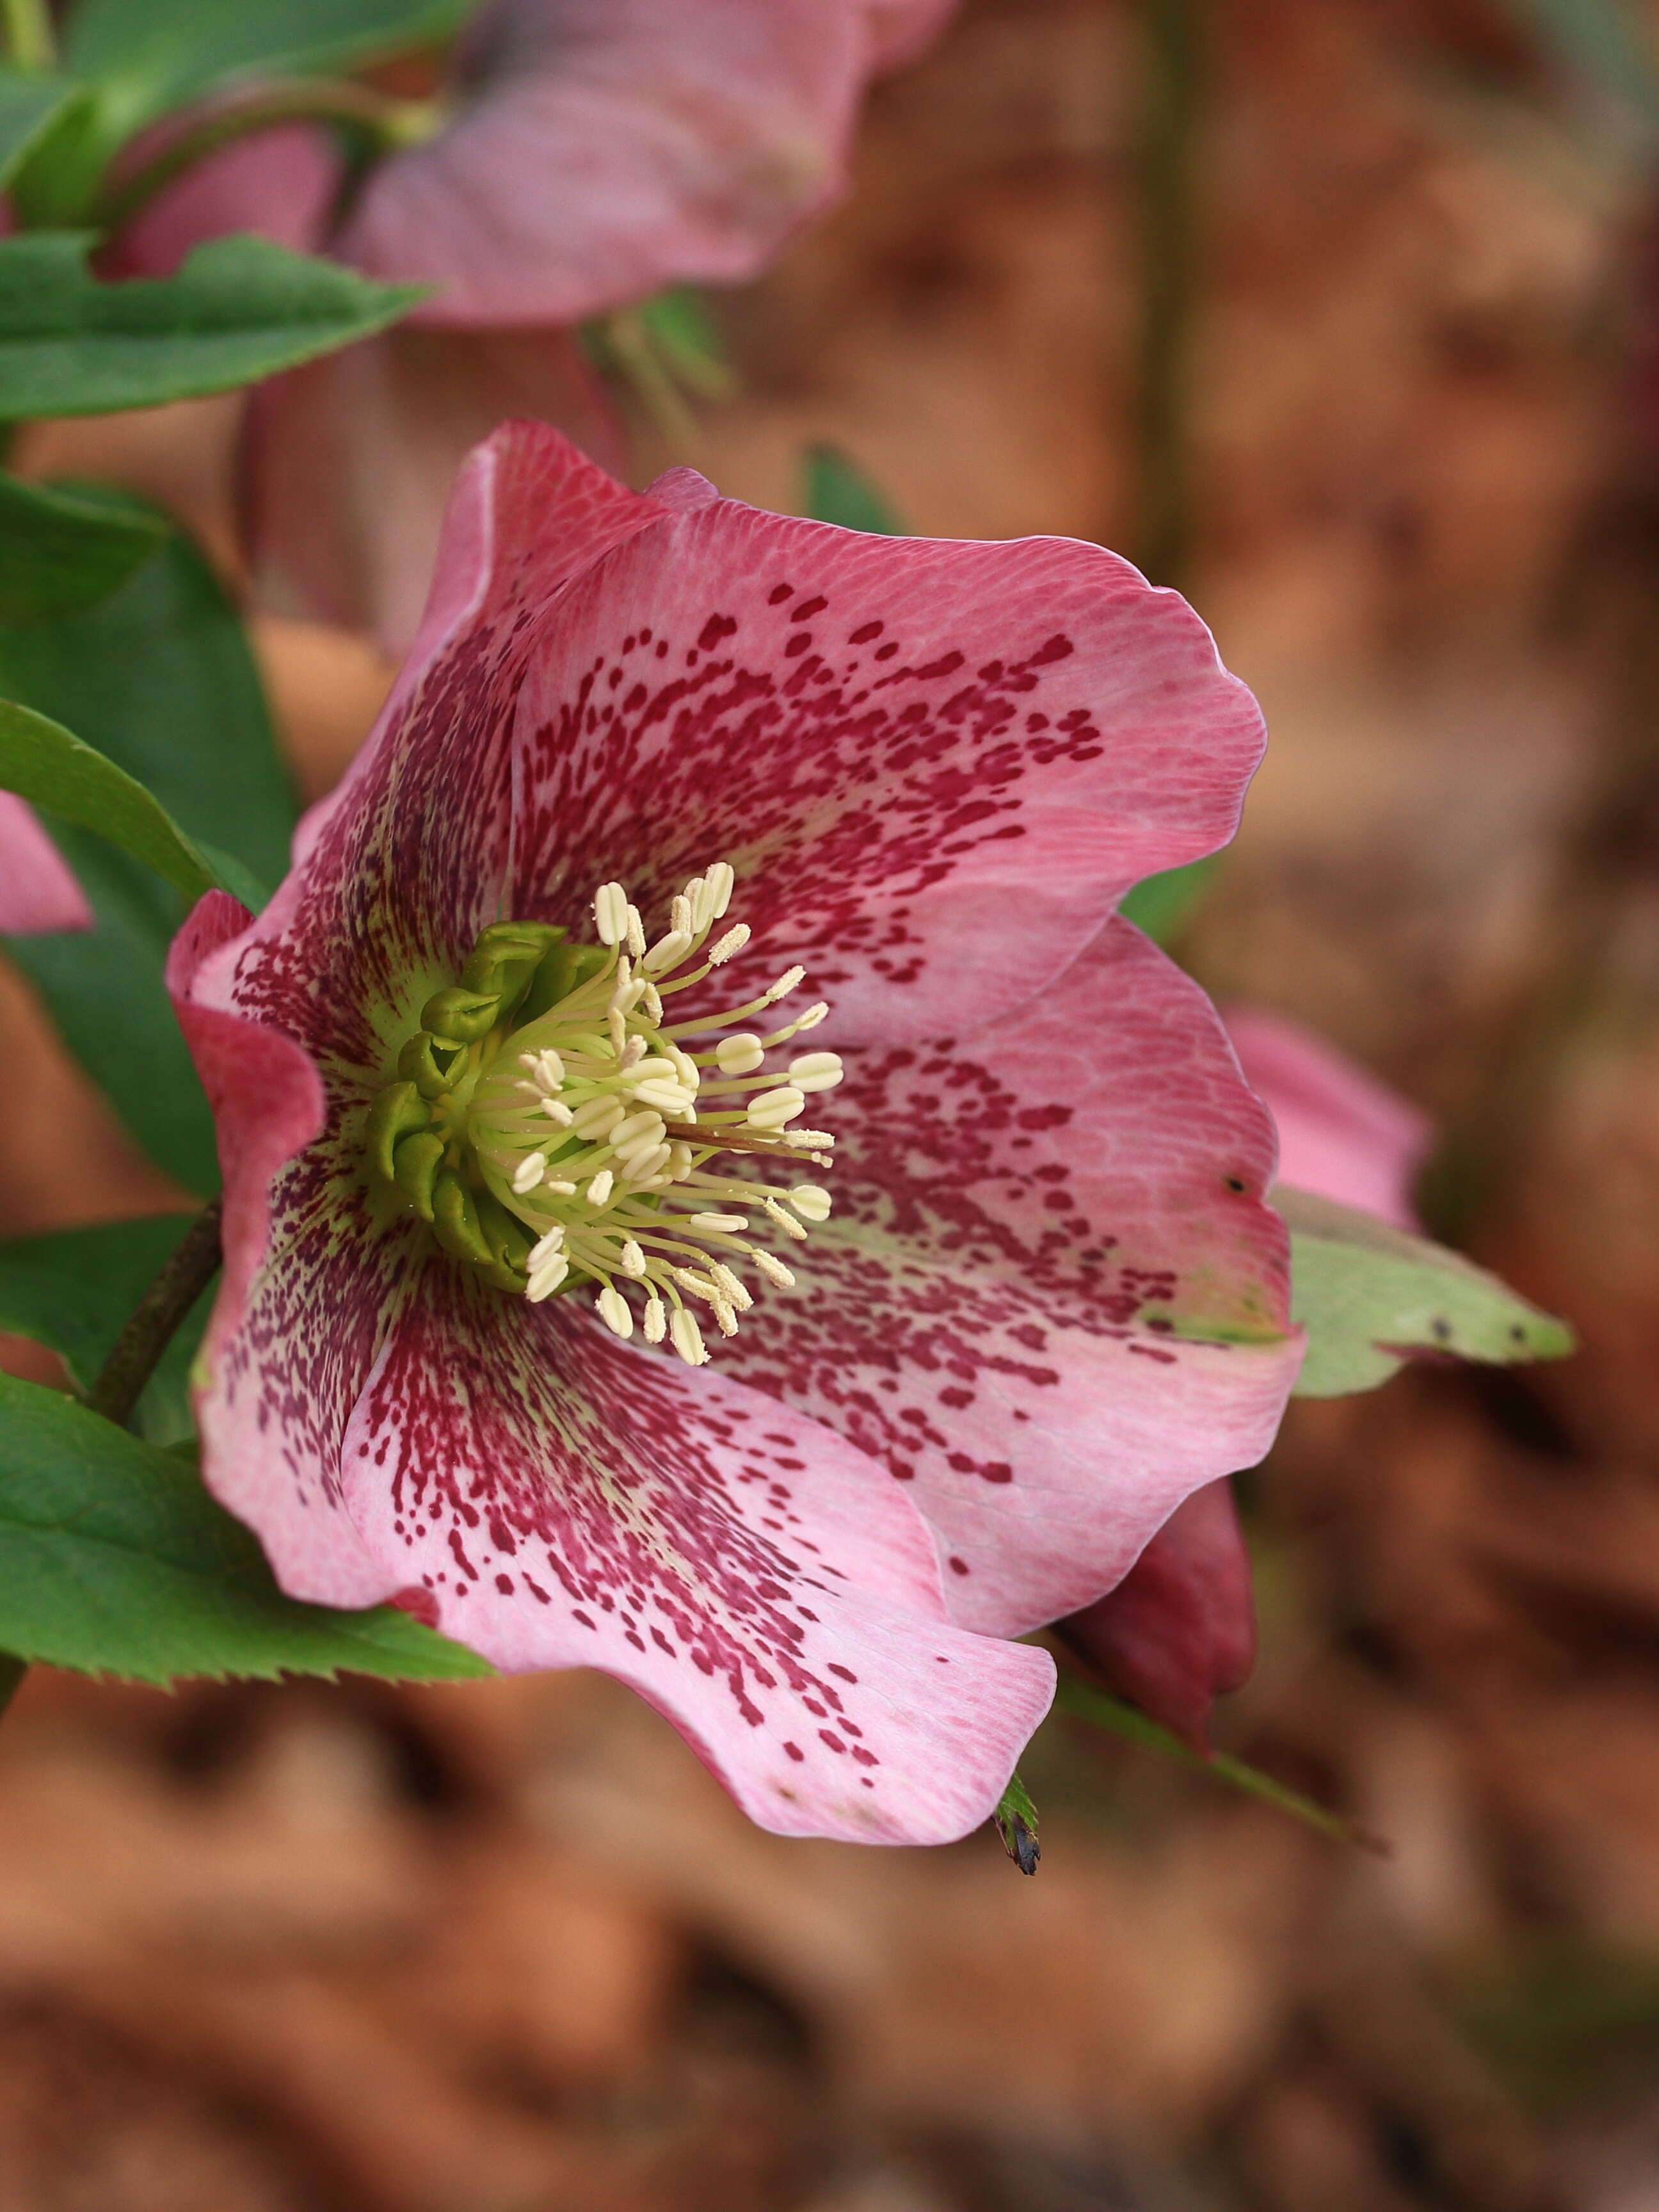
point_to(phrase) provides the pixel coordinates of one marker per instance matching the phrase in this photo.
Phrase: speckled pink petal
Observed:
(607, 147)
(38, 892)
(281, 182)
(566, 1502)
(305, 1295)
(1341, 1133)
(1180, 1629)
(935, 766)
(349, 462)
(1050, 1299)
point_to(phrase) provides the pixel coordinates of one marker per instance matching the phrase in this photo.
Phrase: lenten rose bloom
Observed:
(587, 153)
(38, 892)
(542, 1312)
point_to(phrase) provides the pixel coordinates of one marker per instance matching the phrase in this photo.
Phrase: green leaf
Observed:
(44, 762)
(836, 489)
(1608, 42)
(238, 309)
(1369, 1296)
(159, 677)
(1161, 904)
(73, 1291)
(681, 328)
(115, 1560)
(32, 102)
(153, 59)
(1111, 1713)
(59, 553)
(1015, 1819)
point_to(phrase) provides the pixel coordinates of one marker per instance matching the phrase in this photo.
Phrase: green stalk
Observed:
(1168, 213)
(154, 1321)
(26, 27)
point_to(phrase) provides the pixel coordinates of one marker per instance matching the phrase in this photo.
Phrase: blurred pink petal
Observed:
(1341, 1133)
(899, 31)
(349, 461)
(282, 183)
(37, 891)
(606, 147)
(1180, 1629)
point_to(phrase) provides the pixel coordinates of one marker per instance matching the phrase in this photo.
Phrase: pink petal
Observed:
(1180, 1629)
(565, 1502)
(281, 182)
(350, 460)
(1050, 1299)
(1340, 1132)
(38, 892)
(611, 147)
(935, 766)
(302, 1302)
(901, 31)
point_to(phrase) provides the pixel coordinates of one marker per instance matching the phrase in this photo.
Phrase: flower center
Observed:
(554, 1126)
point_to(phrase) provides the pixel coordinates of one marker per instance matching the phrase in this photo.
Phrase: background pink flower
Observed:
(38, 892)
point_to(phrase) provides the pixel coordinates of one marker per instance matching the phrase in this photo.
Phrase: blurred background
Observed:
(1344, 315)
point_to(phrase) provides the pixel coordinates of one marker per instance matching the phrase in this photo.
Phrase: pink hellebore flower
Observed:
(591, 152)
(38, 892)
(481, 1123)
(1180, 1629)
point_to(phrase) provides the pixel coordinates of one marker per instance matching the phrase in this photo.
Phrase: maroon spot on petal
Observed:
(779, 594)
(958, 1567)
(835, 1743)
(808, 608)
(864, 632)
(846, 1673)
(794, 1751)
(419, 1603)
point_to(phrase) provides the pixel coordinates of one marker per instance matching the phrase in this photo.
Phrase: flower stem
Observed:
(151, 1327)
(26, 24)
(388, 121)
(1169, 238)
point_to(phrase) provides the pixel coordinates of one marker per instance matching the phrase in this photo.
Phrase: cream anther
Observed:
(668, 952)
(559, 1189)
(544, 1280)
(556, 1111)
(529, 1172)
(679, 915)
(816, 1071)
(637, 1128)
(547, 1247)
(687, 1338)
(717, 1222)
(610, 914)
(656, 1321)
(773, 1270)
(599, 1190)
(733, 942)
(736, 1296)
(786, 1221)
(614, 1311)
(718, 886)
(770, 1109)
(597, 1117)
(785, 984)
(811, 1201)
(632, 1257)
(636, 932)
(740, 1055)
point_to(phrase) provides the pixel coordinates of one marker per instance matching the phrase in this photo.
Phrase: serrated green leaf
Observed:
(1369, 1296)
(836, 489)
(59, 553)
(1161, 904)
(160, 677)
(73, 1291)
(1119, 1719)
(49, 765)
(152, 58)
(32, 102)
(115, 1560)
(238, 310)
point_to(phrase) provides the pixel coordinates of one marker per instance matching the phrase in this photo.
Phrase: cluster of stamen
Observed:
(555, 1127)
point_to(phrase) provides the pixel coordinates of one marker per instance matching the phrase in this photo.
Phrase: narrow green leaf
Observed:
(44, 762)
(59, 553)
(1015, 1819)
(1369, 1296)
(73, 1291)
(836, 489)
(1111, 1713)
(238, 309)
(1161, 904)
(115, 1560)
(155, 58)
(160, 677)
(32, 101)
